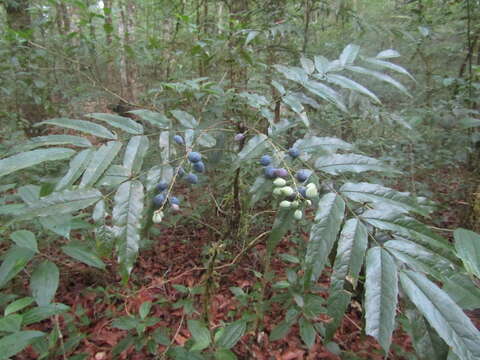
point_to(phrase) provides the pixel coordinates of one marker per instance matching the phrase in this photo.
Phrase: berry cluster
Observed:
(160, 200)
(293, 197)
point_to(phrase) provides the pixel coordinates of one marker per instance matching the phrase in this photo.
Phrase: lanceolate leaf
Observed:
(467, 244)
(99, 162)
(349, 84)
(64, 202)
(30, 158)
(323, 233)
(187, 120)
(127, 217)
(124, 123)
(253, 148)
(349, 54)
(44, 282)
(381, 291)
(50, 140)
(115, 175)
(339, 163)
(377, 194)
(87, 127)
(14, 343)
(325, 93)
(134, 153)
(390, 66)
(154, 118)
(380, 76)
(450, 322)
(463, 291)
(13, 262)
(77, 166)
(316, 144)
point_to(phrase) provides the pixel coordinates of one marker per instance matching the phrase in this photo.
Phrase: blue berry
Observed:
(181, 172)
(303, 174)
(161, 186)
(282, 172)
(178, 139)
(293, 152)
(199, 166)
(269, 172)
(174, 201)
(302, 190)
(192, 178)
(194, 157)
(265, 160)
(159, 200)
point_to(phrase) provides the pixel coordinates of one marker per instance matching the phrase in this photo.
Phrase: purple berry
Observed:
(239, 137)
(178, 139)
(282, 172)
(181, 172)
(174, 201)
(265, 160)
(159, 200)
(161, 186)
(302, 190)
(192, 178)
(194, 157)
(294, 153)
(269, 172)
(303, 174)
(199, 166)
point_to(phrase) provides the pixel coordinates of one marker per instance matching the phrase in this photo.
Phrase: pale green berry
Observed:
(279, 182)
(285, 204)
(311, 192)
(298, 214)
(308, 202)
(277, 191)
(287, 191)
(157, 217)
(295, 203)
(311, 185)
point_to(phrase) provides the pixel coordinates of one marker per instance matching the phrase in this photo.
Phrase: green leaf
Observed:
(43, 312)
(187, 120)
(154, 118)
(453, 326)
(125, 323)
(349, 54)
(231, 334)
(380, 76)
(83, 254)
(160, 336)
(323, 234)
(50, 140)
(281, 225)
(14, 343)
(14, 261)
(11, 323)
(326, 93)
(77, 166)
(467, 244)
(206, 140)
(315, 144)
(293, 73)
(145, 309)
(99, 162)
(124, 123)
(253, 148)
(25, 239)
(115, 175)
(390, 66)
(44, 282)
(31, 158)
(388, 54)
(65, 202)
(280, 331)
(83, 126)
(469, 123)
(260, 189)
(339, 163)
(307, 332)
(349, 84)
(381, 292)
(224, 354)
(127, 217)
(200, 334)
(18, 305)
(135, 152)
(377, 194)
(463, 291)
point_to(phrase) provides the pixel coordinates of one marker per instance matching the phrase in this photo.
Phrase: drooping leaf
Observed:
(14, 343)
(253, 148)
(377, 194)
(127, 217)
(87, 127)
(381, 291)
(83, 254)
(349, 84)
(154, 118)
(77, 166)
(120, 122)
(41, 313)
(450, 322)
(200, 334)
(14, 261)
(326, 93)
(463, 291)
(135, 152)
(50, 140)
(315, 144)
(390, 66)
(30, 158)
(64, 202)
(467, 244)
(185, 119)
(99, 162)
(380, 76)
(26, 239)
(44, 282)
(323, 233)
(339, 163)
(231, 334)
